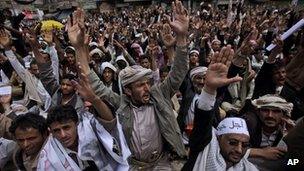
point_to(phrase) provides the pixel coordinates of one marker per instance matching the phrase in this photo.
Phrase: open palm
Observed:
(75, 28)
(180, 23)
(216, 75)
(5, 39)
(167, 36)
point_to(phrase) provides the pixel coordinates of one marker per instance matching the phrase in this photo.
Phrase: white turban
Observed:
(6, 90)
(272, 100)
(198, 70)
(69, 47)
(194, 51)
(215, 40)
(93, 44)
(133, 73)
(107, 65)
(121, 57)
(96, 51)
(233, 125)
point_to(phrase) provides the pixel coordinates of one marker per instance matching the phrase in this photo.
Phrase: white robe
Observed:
(211, 159)
(92, 135)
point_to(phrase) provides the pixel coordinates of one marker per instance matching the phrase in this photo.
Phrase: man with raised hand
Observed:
(145, 111)
(224, 148)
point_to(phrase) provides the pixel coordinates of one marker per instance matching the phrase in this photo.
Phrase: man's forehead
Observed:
(26, 131)
(238, 137)
(270, 108)
(59, 124)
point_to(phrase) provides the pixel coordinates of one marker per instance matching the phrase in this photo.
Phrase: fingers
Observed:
(233, 80)
(168, 18)
(75, 84)
(74, 18)
(215, 58)
(166, 29)
(173, 10)
(225, 56)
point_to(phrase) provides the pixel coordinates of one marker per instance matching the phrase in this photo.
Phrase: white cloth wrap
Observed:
(133, 73)
(232, 125)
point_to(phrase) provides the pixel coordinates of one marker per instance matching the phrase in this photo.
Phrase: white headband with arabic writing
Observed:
(233, 125)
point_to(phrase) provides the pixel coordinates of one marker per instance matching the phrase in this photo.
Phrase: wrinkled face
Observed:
(34, 70)
(30, 140)
(139, 91)
(193, 59)
(198, 82)
(65, 132)
(145, 63)
(279, 76)
(233, 146)
(70, 58)
(107, 75)
(67, 87)
(271, 117)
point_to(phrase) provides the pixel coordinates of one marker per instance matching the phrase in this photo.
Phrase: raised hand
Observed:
(5, 39)
(180, 23)
(277, 50)
(249, 44)
(167, 36)
(48, 36)
(115, 42)
(83, 86)
(101, 41)
(76, 29)
(216, 75)
(31, 37)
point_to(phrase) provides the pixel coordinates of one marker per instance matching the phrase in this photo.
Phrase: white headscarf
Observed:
(121, 57)
(96, 51)
(6, 90)
(105, 65)
(198, 70)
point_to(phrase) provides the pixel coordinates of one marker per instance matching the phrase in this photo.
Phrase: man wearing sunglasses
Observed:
(224, 148)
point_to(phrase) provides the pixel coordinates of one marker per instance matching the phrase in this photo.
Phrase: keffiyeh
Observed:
(133, 73)
(272, 100)
(198, 70)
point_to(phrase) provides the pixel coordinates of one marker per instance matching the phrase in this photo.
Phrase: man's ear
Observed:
(127, 91)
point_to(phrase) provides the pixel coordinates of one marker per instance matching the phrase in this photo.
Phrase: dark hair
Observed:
(278, 65)
(70, 51)
(29, 120)
(164, 69)
(33, 62)
(62, 113)
(69, 77)
(145, 56)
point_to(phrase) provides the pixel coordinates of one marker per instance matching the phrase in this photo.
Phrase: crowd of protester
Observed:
(154, 88)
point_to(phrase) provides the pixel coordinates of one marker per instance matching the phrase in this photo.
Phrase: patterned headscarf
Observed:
(272, 100)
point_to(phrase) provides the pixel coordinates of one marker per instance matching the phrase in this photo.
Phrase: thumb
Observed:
(233, 80)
